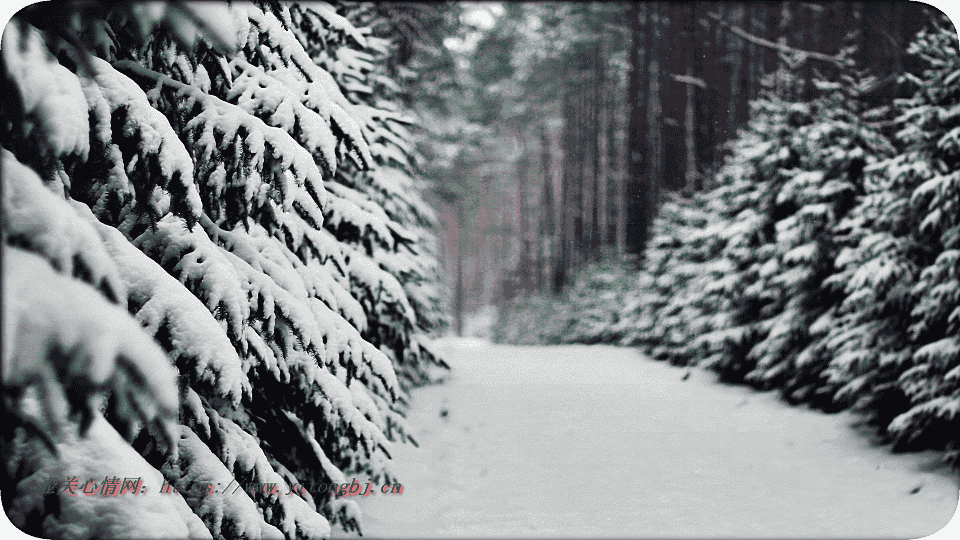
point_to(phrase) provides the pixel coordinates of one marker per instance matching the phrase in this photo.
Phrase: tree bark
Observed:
(635, 234)
(690, 140)
(587, 146)
(602, 138)
(655, 160)
(569, 210)
(620, 140)
(548, 220)
(737, 80)
(706, 101)
(523, 213)
(459, 294)
(672, 95)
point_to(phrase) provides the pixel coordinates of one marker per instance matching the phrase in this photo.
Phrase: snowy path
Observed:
(597, 441)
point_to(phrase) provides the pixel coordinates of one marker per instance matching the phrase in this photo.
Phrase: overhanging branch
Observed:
(737, 31)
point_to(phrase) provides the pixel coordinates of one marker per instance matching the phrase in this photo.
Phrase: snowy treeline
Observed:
(825, 263)
(217, 266)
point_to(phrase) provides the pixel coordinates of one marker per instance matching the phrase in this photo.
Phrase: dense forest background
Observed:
(765, 189)
(592, 113)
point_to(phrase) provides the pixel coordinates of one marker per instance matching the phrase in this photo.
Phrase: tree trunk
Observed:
(753, 26)
(690, 140)
(548, 226)
(586, 135)
(523, 213)
(737, 108)
(635, 234)
(569, 210)
(620, 140)
(785, 16)
(459, 300)
(602, 138)
(655, 160)
(706, 101)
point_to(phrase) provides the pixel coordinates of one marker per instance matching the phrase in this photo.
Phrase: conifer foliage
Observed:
(925, 227)
(214, 246)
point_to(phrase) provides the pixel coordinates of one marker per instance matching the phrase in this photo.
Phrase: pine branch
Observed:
(737, 31)
(298, 160)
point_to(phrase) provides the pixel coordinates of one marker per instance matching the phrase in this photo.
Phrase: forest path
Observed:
(591, 441)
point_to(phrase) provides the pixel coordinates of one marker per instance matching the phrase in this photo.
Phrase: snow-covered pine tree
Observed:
(380, 213)
(586, 315)
(820, 189)
(905, 369)
(792, 175)
(747, 187)
(688, 245)
(203, 170)
(666, 304)
(932, 128)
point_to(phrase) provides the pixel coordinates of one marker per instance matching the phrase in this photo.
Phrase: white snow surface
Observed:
(598, 441)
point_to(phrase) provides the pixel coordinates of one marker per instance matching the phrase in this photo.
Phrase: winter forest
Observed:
(254, 251)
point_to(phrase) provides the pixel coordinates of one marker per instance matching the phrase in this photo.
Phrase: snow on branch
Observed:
(227, 512)
(145, 139)
(327, 17)
(36, 219)
(164, 306)
(263, 94)
(292, 175)
(240, 452)
(325, 93)
(50, 96)
(66, 337)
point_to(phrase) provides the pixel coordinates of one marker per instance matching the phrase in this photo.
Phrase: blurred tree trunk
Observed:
(706, 99)
(578, 169)
(754, 70)
(637, 183)
(690, 139)
(782, 38)
(460, 293)
(602, 137)
(720, 68)
(673, 95)
(525, 262)
(548, 228)
(771, 27)
(620, 140)
(653, 178)
(586, 147)
(567, 233)
(737, 106)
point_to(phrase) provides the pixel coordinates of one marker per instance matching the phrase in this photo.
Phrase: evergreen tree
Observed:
(931, 127)
(262, 227)
(380, 213)
(895, 349)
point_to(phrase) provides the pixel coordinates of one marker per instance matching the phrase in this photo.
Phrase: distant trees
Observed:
(621, 103)
(821, 261)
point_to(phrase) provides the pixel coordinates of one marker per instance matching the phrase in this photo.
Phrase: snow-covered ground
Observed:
(598, 441)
